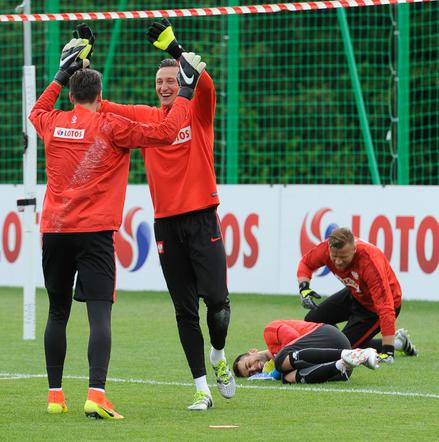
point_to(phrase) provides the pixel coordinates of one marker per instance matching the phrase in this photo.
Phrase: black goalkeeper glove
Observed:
(307, 295)
(387, 355)
(73, 57)
(190, 69)
(84, 31)
(161, 35)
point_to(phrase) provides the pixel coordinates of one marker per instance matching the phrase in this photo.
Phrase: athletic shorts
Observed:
(326, 336)
(89, 256)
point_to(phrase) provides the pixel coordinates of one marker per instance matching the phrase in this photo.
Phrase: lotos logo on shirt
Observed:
(184, 135)
(70, 134)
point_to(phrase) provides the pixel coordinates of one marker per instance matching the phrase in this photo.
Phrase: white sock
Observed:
(216, 355)
(55, 389)
(97, 389)
(201, 384)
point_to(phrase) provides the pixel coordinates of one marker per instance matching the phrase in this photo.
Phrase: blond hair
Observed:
(340, 237)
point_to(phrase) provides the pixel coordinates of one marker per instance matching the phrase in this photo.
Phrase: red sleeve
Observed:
(313, 260)
(42, 113)
(131, 134)
(278, 334)
(377, 282)
(135, 112)
(204, 100)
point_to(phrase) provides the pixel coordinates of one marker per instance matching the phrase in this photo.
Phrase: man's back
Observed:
(87, 161)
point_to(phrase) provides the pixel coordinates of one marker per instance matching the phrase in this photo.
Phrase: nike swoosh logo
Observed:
(63, 62)
(188, 80)
(215, 239)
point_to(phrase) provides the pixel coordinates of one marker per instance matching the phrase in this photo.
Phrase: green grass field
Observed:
(150, 383)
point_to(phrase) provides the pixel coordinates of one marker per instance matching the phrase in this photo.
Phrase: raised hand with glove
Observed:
(307, 295)
(161, 35)
(190, 69)
(83, 31)
(74, 56)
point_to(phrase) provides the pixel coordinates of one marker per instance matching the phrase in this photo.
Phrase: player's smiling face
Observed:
(166, 85)
(252, 363)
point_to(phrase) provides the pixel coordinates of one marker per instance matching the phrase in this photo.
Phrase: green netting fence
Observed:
(316, 97)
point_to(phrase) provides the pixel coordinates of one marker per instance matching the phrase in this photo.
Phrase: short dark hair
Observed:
(168, 62)
(235, 365)
(85, 85)
(340, 237)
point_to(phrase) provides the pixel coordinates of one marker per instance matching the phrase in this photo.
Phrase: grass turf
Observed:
(152, 384)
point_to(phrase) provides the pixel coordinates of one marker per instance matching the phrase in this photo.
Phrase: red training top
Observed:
(370, 278)
(282, 332)
(181, 176)
(87, 161)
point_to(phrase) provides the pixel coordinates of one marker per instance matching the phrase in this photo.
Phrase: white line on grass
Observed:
(13, 376)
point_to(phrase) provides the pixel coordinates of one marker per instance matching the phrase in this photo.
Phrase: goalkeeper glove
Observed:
(190, 69)
(161, 35)
(387, 355)
(307, 295)
(73, 57)
(272, 376)
(84, 31)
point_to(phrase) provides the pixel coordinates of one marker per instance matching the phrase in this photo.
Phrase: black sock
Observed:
(317, 373)
(99, 344)
(315, 355)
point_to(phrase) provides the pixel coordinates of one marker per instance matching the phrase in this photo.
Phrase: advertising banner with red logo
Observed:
(266, 229)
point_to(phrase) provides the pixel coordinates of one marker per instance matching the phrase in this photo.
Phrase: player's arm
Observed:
(42, 113)
(161, 35)
(375, 278)
(73, 57)
(310, 262)
(135, 112)
(127, 133)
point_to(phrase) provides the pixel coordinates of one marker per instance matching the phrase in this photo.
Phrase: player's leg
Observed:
(96, 286)
(333, 310)
(316, 357)
(180, 279)
(59, 270)
(361, 327)
(208, 259)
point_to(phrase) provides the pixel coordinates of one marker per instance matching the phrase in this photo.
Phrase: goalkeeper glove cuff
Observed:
(175, 50)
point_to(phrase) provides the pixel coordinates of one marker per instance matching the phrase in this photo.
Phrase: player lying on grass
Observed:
(371, 300)
(303, 352)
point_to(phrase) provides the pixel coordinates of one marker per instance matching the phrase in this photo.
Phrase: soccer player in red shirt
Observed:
(369, 303)
(182, 183)
(87, 165)
(303, 352)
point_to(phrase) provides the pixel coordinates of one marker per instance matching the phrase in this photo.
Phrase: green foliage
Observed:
(298, 121)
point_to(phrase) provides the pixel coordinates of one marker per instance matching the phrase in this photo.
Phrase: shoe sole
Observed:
(57, 410)
(95, 411)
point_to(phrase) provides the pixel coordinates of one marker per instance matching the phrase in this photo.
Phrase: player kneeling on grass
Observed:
(303, 352)
(371, 300)
(87, 165)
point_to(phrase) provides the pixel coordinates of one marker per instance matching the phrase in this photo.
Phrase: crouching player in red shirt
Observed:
(87, 165)
(369, 303)
(303, 352)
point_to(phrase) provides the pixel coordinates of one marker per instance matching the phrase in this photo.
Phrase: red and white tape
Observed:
(201, 12)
